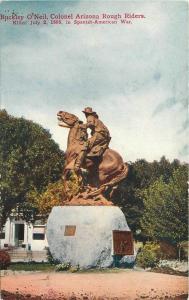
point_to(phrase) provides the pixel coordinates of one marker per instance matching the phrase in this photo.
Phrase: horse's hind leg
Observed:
(93, 173)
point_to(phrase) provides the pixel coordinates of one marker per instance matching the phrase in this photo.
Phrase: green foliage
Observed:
(4, 260)
(148, 257)
(67, 267)
(55, 194)
(168, 250)
(73, 186)
(29, 160)
(165, 213)
(129, 195)
(63, 267)
(184, 248)
(74, 269)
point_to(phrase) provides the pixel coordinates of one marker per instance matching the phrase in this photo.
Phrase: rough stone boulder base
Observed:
(82, 235)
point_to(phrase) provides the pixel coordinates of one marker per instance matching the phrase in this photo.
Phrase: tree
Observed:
(56, 194)
(165, 208)
(129, 194)
(29, 161)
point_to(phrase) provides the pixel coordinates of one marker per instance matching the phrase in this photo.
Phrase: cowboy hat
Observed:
(89, 111)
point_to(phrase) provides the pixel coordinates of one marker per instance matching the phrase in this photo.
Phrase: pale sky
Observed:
(133, 76)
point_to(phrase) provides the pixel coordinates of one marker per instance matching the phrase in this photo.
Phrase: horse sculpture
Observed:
(104, 172)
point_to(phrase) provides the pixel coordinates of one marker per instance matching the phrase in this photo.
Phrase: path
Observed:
(127, 285)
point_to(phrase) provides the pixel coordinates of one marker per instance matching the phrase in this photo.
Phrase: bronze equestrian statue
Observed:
(105, 166)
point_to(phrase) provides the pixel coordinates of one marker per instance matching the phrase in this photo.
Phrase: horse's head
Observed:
(67, 118)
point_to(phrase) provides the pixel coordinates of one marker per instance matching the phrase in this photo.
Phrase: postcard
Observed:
(94, 151)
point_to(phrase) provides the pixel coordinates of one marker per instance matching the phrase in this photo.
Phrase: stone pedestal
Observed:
(82, 235)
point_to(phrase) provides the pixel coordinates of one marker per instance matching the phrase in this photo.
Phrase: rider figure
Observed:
(99, 140)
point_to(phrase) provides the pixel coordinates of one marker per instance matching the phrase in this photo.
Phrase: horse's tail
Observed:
(119, 177)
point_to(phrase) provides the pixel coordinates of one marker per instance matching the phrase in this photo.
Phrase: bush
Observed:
(148, 257)
(74, 269)
(167, 250)
(63, 267)
(4, 260)
(185, 250)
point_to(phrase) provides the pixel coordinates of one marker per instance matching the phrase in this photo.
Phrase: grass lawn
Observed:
(45, 267)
